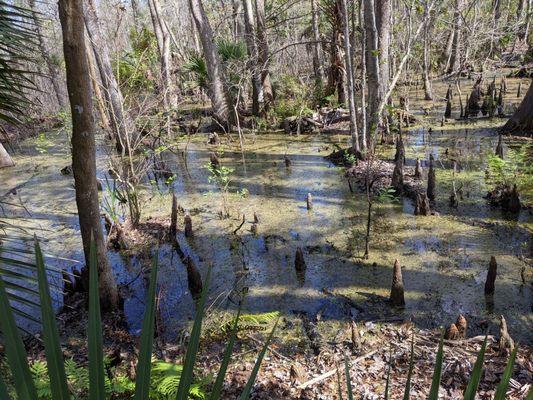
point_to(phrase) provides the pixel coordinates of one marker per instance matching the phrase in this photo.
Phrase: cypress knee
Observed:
(396, 293)
(461, 325)
(309, 201)
(499, 147)
(431, 178)
(287, 162)
(422, 206)
(506, 342)
(299, 262)
(254, 229)
(174, 216)
(194, 279)
(256, 218)
(418, 169)
(519, 91)
(448, 111)
(452, 333)
(215, 163)
(491, 276)
(187, 222)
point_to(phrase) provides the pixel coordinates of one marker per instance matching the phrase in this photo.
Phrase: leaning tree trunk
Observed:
(349, 77)
(5, 158)
(83, 145)
(217, 91)
(521, 123)
(121, 122)
(53, 71)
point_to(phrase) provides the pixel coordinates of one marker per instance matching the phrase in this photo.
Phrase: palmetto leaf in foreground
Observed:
(506, 377)
(471, 389)
(435, 383)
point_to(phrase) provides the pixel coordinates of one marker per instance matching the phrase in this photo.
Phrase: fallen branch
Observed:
(333, 371)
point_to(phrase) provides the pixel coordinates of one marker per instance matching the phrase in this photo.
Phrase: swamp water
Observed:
(444, 257)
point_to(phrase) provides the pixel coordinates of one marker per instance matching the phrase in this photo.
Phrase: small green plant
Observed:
(221, 177)
(42, 143)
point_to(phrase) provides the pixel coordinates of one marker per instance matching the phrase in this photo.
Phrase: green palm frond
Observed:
(232, 51)
(17, 45)
(197, 67)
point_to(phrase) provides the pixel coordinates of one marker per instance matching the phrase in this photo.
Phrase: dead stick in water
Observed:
(332, 372)
(240, 226)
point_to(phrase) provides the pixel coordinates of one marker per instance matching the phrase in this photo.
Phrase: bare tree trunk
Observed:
(162, 35)
(53, 71)
(349, 77)
(83, 145)
(426, 58)
(5, 158)
(121, 122)
(521, 123)
(251, 44)
(363, 78)
(373, 71)
(238, 29)
(97, 92)
(263, 53)
(383, 16)
(317, 47)
(136, 14)
(455, 58)
(217, 91)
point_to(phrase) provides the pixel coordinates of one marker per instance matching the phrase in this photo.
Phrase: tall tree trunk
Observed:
(455, 58)
(372, 64)
(121, 122)
(363, 78)
(217, 91)
(104, 119)
(349, 77)
(5, 158)
(53, 71)
(83, 145)
(521, 123)
(317, 47)
(162, 35)
(383, 16)
(237, 27)
(251, 44)
(264, 53)
(426, 58)
(336, 76)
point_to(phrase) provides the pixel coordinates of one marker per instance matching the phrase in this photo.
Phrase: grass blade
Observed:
(435, 382)
(144, 363)
(217, 387)
(14, 350)
(52, 347)
(471, 389)
(406, 394)
(94, 334)
(387, 383)
(248, 388)
(194, 342)
(506, 377)
(348, 379)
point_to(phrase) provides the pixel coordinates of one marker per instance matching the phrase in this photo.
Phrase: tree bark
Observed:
(373, 72)
(53, 71)
(383, 16)
(317, 47)
(217, 91)
(521, 123)
(162, 35)
(121, 123)
(426, 57)
(336, 74)
(349, 77)
(251, 44)
(455, 58)
(263, 53)
(363, 78)
(5, 158)
(83, 145)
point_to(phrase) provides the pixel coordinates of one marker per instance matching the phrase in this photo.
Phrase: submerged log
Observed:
(491, 276)
(506, 342)
(396, 293)
(187, 222)
(431, 179)
(174, 216)
(299, 261)
(499, 147)
(309, 201)
(461, 325)
(418, 169)
(194, 279)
